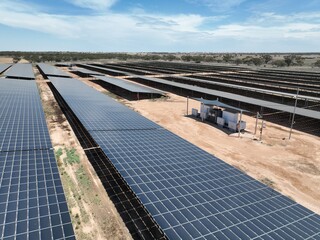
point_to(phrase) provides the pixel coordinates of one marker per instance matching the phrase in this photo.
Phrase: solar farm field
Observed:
(110, 151)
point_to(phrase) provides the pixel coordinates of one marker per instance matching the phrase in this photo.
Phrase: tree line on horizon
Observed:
(277, 60)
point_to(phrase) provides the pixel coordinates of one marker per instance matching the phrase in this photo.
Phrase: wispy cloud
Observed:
(98, 5)
(218, 5)
(274, 33)
(19, 15)
(101, 25)
(272, 17)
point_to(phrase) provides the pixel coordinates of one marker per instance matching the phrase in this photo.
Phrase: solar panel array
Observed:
(211, 84)
(84, 98)
(32, 200)
(190, 193)
(20, 71)
(49, 70)
(211, 92)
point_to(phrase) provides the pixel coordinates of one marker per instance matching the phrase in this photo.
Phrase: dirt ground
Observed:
(291, 167)
(6, 60)
(10, 60)
(92, 212)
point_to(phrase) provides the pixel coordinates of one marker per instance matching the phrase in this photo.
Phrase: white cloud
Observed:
(53, 24)
(274, 33)
(98, 26)
(98, 5)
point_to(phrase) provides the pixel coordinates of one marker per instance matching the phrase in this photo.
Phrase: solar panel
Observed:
(4, 67)
(20, 70)
(22, 120)
(129, 86)
(193, 195)
(86, 71)
(49, 70)
(32, 201)
(190, 193)
(104, 70)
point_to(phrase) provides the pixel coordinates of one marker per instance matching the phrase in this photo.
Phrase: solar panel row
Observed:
(111, 114)
(49, 70)
(22, 124)
(135, 216)
(130, 86)
(190, 193)
(32, 200)
(86, 72)
(104, 70)
(20, 71)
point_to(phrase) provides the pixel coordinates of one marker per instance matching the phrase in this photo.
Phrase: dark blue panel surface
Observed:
(32, 201)
(20, 70)
(22, 121)
(50, 70)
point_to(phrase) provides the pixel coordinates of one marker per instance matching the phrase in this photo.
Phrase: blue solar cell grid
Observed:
(32, 201)
(22, 120)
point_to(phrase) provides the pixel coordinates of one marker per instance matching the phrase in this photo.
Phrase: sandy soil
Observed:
(10, 60)
(92, 212)
(292, 167)
(6, 60)
(24, 61)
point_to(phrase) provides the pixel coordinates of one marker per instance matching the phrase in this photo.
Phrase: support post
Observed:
(201, 114)
(255, 129)
(261, 129)
(239, 128)
(187, 105)
(294, 113)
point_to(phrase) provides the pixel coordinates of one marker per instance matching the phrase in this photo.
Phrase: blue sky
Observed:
(160, 26)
